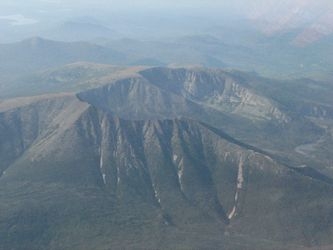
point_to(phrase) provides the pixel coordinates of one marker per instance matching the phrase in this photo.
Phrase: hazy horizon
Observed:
(237, 7)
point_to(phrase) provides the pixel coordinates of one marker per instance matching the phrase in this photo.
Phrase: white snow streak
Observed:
(101, 159)
(240, 177)
(179, 162)
(232, 213)
(118, 175)
(227, 154)
(240, 181)
(157, 197)
(175, 157)
(180, 174)
(101, 165)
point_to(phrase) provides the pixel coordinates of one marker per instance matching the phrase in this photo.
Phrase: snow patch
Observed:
(268, 158)
(132, 152)
(175, 157)
(240, 177)
(232, 213)
(180, 173)
(240, 181)
(101, 165)
(118, 175)
(101, 158)
(157, 197)
(226, 155)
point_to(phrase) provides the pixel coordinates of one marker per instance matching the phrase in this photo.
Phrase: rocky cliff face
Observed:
(218, 90)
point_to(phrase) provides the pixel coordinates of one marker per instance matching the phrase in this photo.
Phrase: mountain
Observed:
(247, 106)
(80, 30)
(245, 49)
(37, 54)
(219, 48)
(163, 158)
(227, 100)
(312, 19)
(70, 77)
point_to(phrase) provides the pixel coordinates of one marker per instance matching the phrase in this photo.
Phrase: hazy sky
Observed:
(225, 6)
(270, 16)
(127, 3)
(109, 4)
(31, 8)
(28, 10)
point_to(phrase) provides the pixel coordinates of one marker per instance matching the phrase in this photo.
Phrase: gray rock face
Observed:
(216, 89)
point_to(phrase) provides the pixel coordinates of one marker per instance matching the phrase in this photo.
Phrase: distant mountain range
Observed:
(312, 19)
(37, 54)
(272, 57)
(80, 31)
